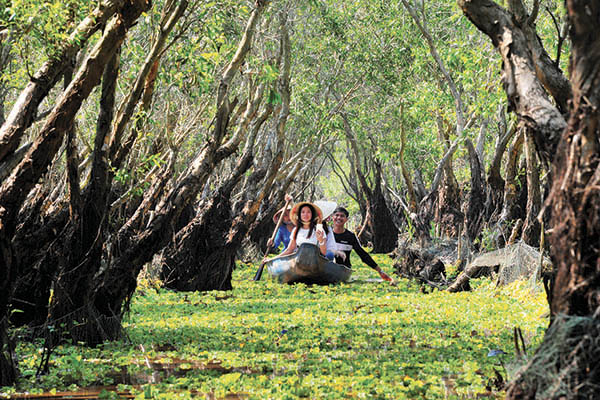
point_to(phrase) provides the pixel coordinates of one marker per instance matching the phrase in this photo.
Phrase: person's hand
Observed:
(387, 278)
(320, 235)
(269, 242)
(340, 254)
(288, 198)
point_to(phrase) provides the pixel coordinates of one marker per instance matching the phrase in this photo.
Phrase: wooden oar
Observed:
(262, 264)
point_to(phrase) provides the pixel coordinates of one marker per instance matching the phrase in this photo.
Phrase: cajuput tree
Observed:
(561, 116)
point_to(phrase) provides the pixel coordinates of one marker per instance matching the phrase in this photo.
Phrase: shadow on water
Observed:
(100, 392)
(156, 371)
(152, 371)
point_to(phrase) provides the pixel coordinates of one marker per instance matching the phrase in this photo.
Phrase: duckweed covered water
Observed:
(364, 339)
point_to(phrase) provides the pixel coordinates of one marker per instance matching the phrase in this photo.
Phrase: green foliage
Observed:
(362, 339)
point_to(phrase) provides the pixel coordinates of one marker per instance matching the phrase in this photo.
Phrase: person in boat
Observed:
(285, 230)
(347, 241)
(307, 218)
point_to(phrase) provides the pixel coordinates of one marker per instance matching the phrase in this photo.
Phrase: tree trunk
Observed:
(474, 216)
(526, 95)
(14, 190)
(510, 203)
(188, 265)
(86, 236)
(575, 195)
(202, 256)
(38, 261)
(495, 182)
(565, 365)
(531, 227)
(134, 244)
(385, 233)
(25, 108)
(448, 216)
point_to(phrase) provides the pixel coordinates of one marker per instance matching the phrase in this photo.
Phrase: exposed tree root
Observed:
(566, 364)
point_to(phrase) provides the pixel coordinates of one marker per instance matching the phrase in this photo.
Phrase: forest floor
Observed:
(364, 339)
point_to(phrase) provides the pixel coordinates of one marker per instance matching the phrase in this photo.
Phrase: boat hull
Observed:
(308, 266)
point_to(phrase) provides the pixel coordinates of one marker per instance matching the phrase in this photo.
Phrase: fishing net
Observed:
(522, 262)
(516, 261)
(566, 364)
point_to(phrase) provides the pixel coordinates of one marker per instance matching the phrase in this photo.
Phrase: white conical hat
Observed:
(326, 207)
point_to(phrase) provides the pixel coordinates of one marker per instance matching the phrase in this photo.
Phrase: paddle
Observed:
(262, 264)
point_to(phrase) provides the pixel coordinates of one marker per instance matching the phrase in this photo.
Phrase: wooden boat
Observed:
(307, 265)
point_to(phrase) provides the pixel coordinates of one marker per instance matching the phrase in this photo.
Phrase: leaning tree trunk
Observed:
(219, 231)
(573, 337)
(132, 246)
(86, 235)
(25, 108)
(200, 257)
(526, 95)
(16, 188)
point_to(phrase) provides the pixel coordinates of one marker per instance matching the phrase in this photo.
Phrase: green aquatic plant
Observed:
(362, 339)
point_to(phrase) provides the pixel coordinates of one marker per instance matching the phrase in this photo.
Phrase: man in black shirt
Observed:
(346, 241)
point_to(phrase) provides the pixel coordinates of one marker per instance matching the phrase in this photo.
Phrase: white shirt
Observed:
(303, 238)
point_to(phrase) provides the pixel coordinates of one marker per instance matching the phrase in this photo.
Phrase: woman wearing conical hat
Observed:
(307, 218)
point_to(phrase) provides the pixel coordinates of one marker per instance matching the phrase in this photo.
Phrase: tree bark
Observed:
(531, 226)
(526, 95)
(135, 245)
(23, 112)
(511, 210)
(475, 214)
(547, 71)
(35, 242)
(568, 355)
(15, 189)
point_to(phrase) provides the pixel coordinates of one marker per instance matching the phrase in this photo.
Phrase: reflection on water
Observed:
(151, 371)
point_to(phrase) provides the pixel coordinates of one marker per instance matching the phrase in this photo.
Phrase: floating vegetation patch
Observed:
(362, 339)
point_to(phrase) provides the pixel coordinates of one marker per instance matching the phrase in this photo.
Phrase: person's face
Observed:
(339, 219)
(286, 217)
(305, 214)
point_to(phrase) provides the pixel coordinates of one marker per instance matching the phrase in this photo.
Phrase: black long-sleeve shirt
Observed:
(347, 241)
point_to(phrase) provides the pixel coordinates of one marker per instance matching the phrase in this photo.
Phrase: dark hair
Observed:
(312, 220)
(343, 210)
